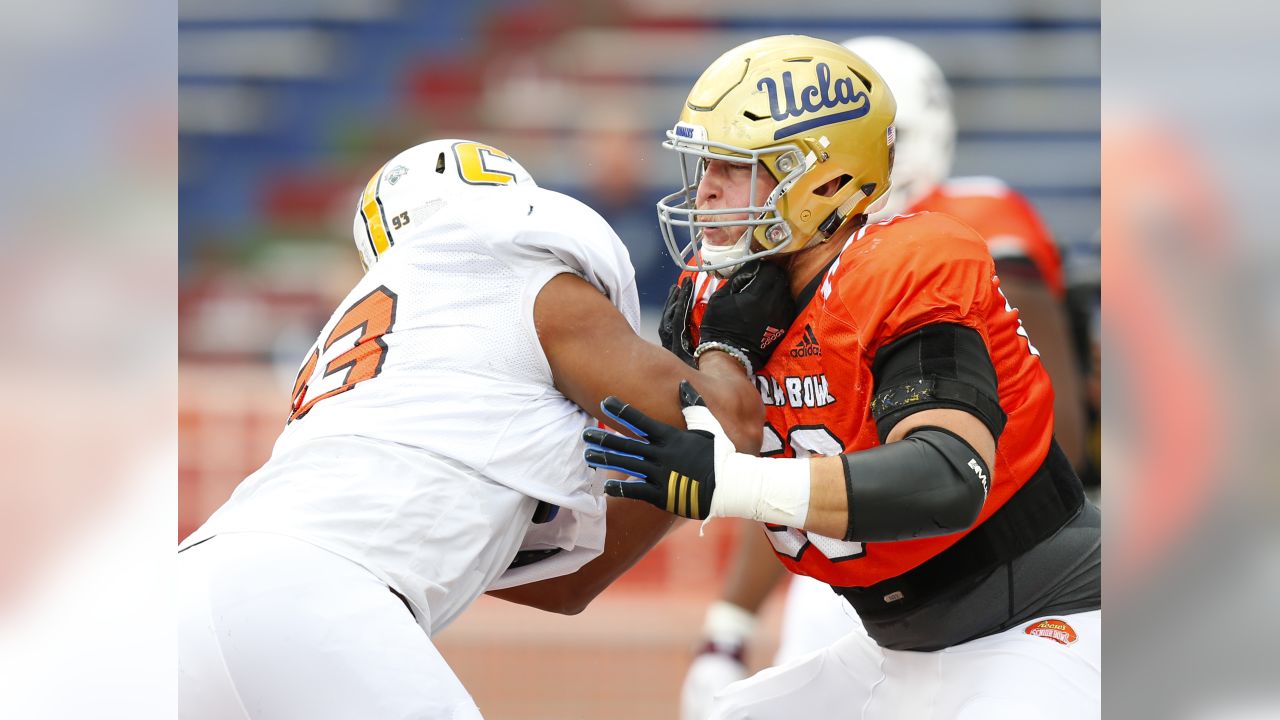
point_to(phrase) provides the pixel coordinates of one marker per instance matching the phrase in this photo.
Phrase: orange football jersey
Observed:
(890, 279)
(1004, 218)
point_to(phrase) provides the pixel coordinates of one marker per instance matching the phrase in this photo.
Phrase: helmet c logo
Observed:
(375, 222)
(481, 164)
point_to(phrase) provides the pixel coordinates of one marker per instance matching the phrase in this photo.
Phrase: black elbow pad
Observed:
(929, 483)
(938, 366)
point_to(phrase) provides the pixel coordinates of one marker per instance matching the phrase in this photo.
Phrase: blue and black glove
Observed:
(676, 469)
(697, 473)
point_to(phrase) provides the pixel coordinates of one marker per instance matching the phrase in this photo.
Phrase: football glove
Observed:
(673, 329)
(697, 473)
(709, 673)
(750, 312)
(676, 468)
(721, 659)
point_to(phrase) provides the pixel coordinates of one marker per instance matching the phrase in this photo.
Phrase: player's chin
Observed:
(722, 236)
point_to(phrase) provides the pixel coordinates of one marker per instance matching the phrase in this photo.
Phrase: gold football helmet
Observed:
(809, 111)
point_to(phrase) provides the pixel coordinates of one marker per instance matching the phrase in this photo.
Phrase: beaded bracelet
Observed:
(731, 351)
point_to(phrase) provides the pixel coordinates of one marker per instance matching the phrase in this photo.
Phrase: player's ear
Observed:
(831, 187)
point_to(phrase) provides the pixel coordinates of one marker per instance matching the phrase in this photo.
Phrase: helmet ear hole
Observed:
(866, 81)
(832, 186)
(440, 164)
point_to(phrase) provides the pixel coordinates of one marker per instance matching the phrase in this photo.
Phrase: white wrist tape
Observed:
(772, 490)
(728, 624)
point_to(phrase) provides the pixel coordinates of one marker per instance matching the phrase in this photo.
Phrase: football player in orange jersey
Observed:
(909, 459)
(1030, 271)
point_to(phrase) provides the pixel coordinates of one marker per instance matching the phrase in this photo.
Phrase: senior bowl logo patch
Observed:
(1056, 630)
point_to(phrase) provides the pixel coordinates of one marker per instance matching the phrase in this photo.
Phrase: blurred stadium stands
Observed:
(288, 106)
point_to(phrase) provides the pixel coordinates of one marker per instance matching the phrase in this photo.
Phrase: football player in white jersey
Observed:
(433, 452)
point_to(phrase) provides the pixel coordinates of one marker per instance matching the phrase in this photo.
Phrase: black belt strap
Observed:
(545, 512)
(529, 557)
(403, 599)
(1050, 499)
(182, 550)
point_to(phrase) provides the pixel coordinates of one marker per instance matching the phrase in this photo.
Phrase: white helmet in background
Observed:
(415, 184)
(925, 126)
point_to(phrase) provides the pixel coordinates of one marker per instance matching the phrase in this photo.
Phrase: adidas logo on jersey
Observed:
(807, 345)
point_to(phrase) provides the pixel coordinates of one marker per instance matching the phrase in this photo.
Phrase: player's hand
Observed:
(727, 629)
(750, 312)
(673, 329)
(676, 469)
(709, 673)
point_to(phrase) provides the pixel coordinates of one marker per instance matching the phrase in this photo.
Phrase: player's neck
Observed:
(803, 265)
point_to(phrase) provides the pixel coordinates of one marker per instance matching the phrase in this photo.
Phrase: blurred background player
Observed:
(1031, 276)
(902, 333)
(431, 451)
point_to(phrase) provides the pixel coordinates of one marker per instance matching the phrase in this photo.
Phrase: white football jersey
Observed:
(430, 372)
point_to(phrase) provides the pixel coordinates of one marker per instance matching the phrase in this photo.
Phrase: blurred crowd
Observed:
(309, 103)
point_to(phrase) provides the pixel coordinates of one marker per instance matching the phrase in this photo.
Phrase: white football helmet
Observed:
(926, 126)
(418, 182)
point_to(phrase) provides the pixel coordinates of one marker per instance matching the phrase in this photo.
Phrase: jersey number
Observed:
(371, 315)
(806, 441)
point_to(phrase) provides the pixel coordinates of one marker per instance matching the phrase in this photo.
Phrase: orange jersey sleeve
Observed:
(910, 272)
(1004, 218)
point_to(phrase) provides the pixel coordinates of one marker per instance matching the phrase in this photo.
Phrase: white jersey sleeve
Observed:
(562, 234)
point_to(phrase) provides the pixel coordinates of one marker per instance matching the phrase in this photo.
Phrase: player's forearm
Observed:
(931, 476)
(930, 483)
(733, 398)
(828, 512)
(800, 493)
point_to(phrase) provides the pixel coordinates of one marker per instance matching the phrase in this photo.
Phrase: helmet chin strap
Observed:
(713, 254)
(716, 254)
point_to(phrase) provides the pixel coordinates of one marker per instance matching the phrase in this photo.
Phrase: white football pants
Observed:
(1007, 676)
(813, 617)
(273, 628)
